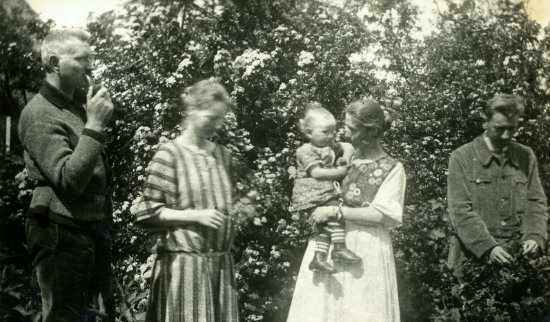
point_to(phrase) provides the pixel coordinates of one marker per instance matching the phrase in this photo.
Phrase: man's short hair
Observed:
(56, 40)
(506, 104)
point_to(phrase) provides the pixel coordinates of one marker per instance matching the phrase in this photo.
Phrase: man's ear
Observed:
(485, 125)
(53, 62)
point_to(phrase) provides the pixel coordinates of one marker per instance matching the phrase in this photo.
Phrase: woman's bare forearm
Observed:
(171, 218)
(178, 217)
(364, 215)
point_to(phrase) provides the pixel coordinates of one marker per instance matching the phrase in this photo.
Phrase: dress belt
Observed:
(206, 254)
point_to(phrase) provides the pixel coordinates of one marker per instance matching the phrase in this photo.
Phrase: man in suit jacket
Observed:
(496, 201)
(62, 132)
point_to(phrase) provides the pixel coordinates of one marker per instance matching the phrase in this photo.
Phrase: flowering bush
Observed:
(456, 71)
(274, 57)
(294, 53)
(270, 72)
(435, 88)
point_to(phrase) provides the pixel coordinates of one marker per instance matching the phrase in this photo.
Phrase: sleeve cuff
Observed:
(390, 222)
(537, 238)
(94, 135)
(482, 248)
(389, 217)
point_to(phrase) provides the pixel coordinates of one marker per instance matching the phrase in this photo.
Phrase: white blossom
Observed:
(170, 81)
(480, 62)
(250, 60)
(305, 58)
(186, 62)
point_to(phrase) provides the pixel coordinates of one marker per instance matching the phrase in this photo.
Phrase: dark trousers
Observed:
(73, 267)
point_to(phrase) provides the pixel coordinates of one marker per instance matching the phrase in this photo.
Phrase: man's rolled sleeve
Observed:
(470, 227)
(100, 137)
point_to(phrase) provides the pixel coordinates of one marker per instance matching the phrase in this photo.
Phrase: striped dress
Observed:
(193, 276)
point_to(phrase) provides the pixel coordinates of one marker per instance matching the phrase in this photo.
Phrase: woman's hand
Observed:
(322, 214)
(210, 217)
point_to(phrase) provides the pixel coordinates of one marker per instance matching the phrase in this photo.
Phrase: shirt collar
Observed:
(490, 145)
(58, 98)
(484, 149)
(54, 95)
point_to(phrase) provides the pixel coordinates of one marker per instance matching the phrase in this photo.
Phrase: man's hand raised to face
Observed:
(99, 109)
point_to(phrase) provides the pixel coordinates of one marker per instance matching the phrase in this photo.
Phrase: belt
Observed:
(43, 215)
(208, 255)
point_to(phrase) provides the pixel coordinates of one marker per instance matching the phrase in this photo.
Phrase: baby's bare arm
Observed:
(328, 173)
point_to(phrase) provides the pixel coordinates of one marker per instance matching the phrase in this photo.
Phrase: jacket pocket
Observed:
(480, 184)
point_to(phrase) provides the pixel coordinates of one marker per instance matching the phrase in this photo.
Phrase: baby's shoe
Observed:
(319, 264)
(341, 253)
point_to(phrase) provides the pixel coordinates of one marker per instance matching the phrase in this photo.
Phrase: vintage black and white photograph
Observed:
(274, 160)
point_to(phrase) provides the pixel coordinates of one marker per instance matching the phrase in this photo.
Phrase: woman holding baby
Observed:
(372, 193)
(347, 272)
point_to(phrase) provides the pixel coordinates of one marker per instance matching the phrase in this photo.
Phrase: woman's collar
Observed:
(356, 160)
(207, 151)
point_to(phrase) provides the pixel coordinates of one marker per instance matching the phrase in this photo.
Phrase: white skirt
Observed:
(357, 292)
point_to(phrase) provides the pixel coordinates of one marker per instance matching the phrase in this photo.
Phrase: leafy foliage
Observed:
(19, 294)
(273, 56)
(19, 59)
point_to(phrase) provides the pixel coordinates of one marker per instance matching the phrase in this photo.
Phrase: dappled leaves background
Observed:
(275, 56)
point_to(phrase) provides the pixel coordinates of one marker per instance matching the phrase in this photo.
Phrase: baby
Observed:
(320, 163)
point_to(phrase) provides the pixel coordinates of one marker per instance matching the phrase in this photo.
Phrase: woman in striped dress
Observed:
(186, 200)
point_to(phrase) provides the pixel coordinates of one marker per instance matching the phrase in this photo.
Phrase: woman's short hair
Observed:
(200, 95)
(369, 113)
(506, 104)
(56, 41)
(314, 111)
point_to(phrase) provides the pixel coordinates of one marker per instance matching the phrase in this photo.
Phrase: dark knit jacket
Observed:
(65, 158)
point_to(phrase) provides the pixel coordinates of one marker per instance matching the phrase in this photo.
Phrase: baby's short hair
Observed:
(314, 111)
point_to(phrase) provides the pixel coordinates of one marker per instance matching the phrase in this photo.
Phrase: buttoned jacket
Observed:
(494, 199)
